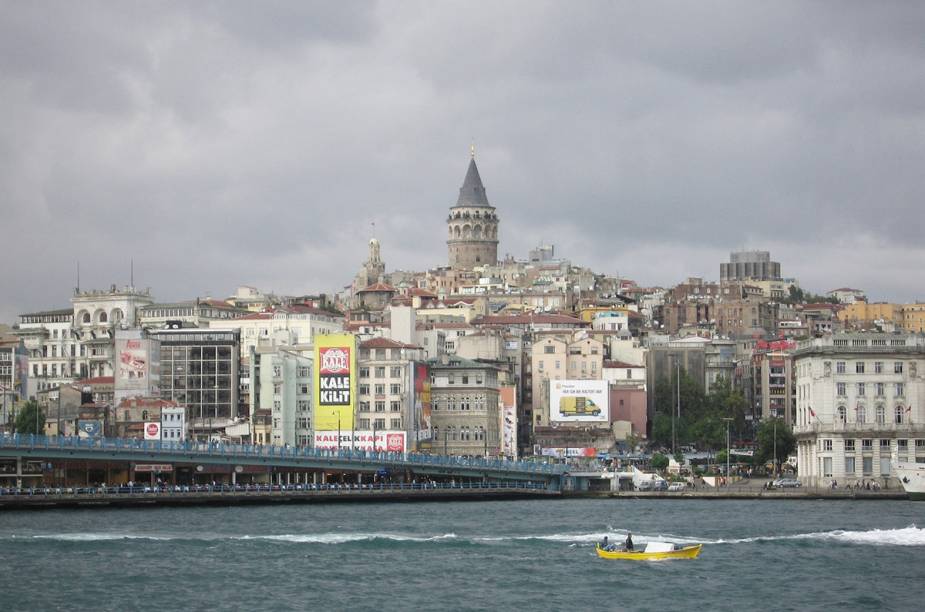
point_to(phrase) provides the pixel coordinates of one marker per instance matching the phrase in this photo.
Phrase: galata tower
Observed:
(472, 225)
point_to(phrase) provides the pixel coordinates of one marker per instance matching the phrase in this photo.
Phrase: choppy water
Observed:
(780, 555)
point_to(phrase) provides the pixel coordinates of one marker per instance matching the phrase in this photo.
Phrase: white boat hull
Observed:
(912, 477)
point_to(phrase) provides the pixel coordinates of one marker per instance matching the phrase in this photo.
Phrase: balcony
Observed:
(860, 428)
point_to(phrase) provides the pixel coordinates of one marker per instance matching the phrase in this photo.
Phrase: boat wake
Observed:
(907, 536)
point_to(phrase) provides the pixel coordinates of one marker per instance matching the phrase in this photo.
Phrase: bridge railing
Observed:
(32, 442)
(270, 488)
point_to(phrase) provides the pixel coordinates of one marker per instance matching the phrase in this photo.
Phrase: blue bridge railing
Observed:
(219, 449)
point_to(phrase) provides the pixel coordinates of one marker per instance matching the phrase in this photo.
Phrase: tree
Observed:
(30, 419)
(659, 461)
(786, 442)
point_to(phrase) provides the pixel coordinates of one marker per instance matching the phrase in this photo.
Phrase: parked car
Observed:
(787, 483)
(677, 486)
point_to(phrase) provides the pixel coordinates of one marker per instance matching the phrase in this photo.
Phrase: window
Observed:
(395, 406)
(902, 445)
(395, 389)
(861, 389)
(881, 414)
(465, 380)
(878, 367)
(364, 423)
(303, 389)
(826, 466)
(450, 379)
(549, 349)
(629, 374)
(364, 389)
(885, 445)
(380, 406)
(899, 390)
(841, 389)
(839, 367)
(867, 445)
(859, 367)
(826, 445)
(842, 414)
(884, 466)
(558, 365)
(379, 423)
(478, 379)
(849, 446)
(867, 466)
(380, 371)
(396, 423)
(364, 372)
(364, 407)
(880, 387)
(380, 389)
(849, 465)
(898, 415)
(860, 414)
(898, 367)
(396, 372)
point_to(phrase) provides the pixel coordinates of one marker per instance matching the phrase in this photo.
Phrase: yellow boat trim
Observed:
(688, 552)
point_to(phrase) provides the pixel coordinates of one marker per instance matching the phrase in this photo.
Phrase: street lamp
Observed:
(775, 447)
(727, 419)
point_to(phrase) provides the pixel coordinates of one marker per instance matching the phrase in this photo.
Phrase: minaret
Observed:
(472, 224)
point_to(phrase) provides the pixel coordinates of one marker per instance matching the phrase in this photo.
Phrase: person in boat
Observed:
(628, 543)
(603, 543)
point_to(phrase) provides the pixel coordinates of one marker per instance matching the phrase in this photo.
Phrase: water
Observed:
(538, 554)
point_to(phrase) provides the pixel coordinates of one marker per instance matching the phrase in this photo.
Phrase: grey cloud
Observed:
(226, 143)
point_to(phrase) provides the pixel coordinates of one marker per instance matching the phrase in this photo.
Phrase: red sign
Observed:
(153, 467)
(335, 360)
(152, 431)
(395, 442)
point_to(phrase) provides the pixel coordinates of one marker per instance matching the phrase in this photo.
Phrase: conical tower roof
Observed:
(472, 192)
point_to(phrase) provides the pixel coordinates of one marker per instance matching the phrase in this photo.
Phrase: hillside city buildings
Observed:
(480, 355)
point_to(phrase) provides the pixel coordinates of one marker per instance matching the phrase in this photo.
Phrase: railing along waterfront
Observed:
(216, 449)
(270, 488)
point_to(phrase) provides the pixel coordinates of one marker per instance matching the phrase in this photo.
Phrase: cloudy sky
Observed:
(226, 143)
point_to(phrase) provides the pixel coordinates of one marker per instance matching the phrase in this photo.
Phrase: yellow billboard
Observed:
(335, 382)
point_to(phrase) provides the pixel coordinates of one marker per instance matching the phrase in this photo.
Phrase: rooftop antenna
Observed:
(472, 149)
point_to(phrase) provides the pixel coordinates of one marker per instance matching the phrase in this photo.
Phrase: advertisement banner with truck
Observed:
(335, 382)
(579, 401)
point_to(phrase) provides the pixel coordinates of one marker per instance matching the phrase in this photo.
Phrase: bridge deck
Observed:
(139, 451)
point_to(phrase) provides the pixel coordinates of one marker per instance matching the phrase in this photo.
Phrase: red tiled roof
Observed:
(452, 325)
(98, 380)
(385, 343)
(257, 315)
(379, 287)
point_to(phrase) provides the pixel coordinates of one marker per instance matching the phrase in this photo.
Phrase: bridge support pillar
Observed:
(234, 478)
(18, 472)
(315, 478)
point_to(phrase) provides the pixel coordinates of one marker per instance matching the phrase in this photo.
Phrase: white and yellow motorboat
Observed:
(654, 551)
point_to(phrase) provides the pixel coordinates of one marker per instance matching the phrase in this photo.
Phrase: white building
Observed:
(295, 324)
(281, 381)
(859, 406)
(173, 423)
(77, 342)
